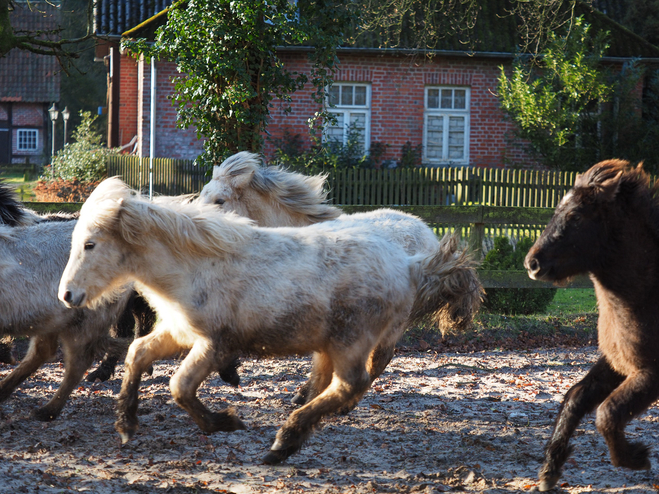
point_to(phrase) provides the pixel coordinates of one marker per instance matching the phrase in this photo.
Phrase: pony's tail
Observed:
(449, 292)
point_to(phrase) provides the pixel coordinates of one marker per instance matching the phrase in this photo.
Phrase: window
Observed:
(351, 105)
(28, 139)
(446, 125)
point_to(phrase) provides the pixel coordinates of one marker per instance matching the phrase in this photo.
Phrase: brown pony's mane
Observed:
(635, 188)
(188, 227)
(299, 193)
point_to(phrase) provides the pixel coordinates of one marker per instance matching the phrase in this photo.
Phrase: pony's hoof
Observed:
(149, 371)
(547, 485)
(230, 373)
(275, 457)
(279, 452)
(299, 399)
(230, 377)
(224, 421)
(636, 458)
(100, 375)
(126, 432)
(44, 414)
(125, 437)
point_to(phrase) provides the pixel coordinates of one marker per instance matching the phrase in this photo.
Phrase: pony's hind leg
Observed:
(321, 376)
(78, 357)
(41, 349)
(197, 365)
(348, 385)
(157, 345)
(582, 398)
(636, 393)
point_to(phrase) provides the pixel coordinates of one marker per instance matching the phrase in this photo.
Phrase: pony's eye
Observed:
(219, 201)
(89, 245)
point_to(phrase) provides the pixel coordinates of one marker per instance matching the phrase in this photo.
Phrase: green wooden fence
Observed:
(449, 186)
(169, 176)
(405, 187)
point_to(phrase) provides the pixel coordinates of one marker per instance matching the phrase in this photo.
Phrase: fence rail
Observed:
(405, 187)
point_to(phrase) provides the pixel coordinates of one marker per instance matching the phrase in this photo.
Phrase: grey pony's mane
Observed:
(189, 227)
(300, 194)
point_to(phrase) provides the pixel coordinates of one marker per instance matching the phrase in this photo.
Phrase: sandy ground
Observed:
(432, 423)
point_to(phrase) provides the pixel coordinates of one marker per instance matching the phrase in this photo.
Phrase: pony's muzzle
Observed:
(71, 300)
(534, 266)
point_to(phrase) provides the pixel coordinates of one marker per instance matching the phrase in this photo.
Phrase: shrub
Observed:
(291, 153)
(504, 257)
(77, 168)
(59, 190)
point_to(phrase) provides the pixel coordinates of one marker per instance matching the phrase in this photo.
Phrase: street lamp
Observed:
(65, 115)
(53, 118)
(54, 113)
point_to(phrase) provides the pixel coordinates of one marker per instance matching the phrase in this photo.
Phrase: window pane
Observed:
(358, 129)
(27, 140)
(435, 138)
(456, 138)
(447, 98)
(333, 97)
(360, 95)
(460, 99)
(335, 132)
(433, 98)
(346, 95)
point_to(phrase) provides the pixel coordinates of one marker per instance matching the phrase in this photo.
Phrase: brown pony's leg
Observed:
(157, 345)
(196, 367)
(348, 385)
(582, 398)
(632, 397)
(41, 349)
(78, 357)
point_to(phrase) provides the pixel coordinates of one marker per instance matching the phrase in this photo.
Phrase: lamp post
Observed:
(54, 113)
(65, 115)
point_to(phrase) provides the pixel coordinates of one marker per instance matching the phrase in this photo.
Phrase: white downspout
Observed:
(152, 126)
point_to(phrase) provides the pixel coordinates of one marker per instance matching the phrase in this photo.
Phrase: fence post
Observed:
(477, 235)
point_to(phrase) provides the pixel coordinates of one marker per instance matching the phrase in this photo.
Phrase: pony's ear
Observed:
(609, 187)
(242, 180)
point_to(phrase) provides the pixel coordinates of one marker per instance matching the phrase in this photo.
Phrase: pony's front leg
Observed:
(636, 393)
(348, 385)
(199, 363)
(41, 349)
(157, 345)
(78, 357)
(582, 398)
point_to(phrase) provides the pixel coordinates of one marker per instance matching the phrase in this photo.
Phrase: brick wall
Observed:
(128, 101)
(30, 116)
(397, 105)
(170, 141)
(397, 102)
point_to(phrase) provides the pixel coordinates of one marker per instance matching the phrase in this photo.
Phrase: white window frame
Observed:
(24, 134)
(446, 114)
(348, 110)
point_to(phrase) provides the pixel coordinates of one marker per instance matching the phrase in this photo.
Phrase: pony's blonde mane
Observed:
(298, 193)
(188, 227)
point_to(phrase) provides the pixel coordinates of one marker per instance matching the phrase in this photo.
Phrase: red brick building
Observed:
(445, 103)
(29, 84)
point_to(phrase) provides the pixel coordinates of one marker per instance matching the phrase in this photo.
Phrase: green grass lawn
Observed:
(17, 179)
(573, 301)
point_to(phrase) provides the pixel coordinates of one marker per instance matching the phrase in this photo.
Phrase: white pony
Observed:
(222, 286)
(275, 197)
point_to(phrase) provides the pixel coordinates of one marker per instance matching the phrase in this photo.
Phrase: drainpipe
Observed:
(152, 126)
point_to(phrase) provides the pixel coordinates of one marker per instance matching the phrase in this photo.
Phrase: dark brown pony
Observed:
(608, 226)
